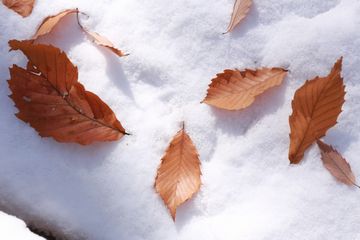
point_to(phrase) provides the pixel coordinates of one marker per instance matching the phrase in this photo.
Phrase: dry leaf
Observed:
(316, 107)
(50, 98)
(102, 41)
(178, 176)
(336, 164)
(22, 7)
(50, 22)
(240, 10)
(234, 89)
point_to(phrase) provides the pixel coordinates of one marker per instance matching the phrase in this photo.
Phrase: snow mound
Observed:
(249, 192)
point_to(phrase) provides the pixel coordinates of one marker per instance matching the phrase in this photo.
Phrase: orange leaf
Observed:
(178, 176)
(336, 164)
(50, 98)
(234, 89)
(102, 41)
(240, 10)
(22, 7)
(50, 22)
(316, 107)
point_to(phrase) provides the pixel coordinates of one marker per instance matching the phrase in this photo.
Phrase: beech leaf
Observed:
(235, 89)
(50, 22)
(22, 7)
(336, 164)
(102, 41)
(240, 10)
(316, 107)
(178, 176)
(50, 98)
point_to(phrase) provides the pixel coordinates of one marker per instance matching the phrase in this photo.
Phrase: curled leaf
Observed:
(50, 98)
(234, 89)
(336, 164)
(50, 22)
(316, 107)
(22, 7)
(178, 176)
(240, 10)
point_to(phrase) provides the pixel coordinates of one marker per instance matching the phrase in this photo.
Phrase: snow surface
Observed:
(249, 192)
(12, 228)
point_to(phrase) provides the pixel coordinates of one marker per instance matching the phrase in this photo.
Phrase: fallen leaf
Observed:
(50, 98)
(336, 164)
(234, 89)
(316, 107)
(240, 10)
(102, 41)
(178, 176)
(50, 22)
(22, 7)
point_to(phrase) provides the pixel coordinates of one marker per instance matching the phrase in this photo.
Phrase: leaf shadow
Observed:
(239, 122)
(339, 139)
(187, 211)
(115, 72)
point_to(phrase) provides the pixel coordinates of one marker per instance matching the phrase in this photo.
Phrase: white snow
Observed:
(12, 228)
(249, 192)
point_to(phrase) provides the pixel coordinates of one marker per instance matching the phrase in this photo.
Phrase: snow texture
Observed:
(250, 191)
(12, 228)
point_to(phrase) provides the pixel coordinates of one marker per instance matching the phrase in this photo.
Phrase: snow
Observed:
(250, 192)
(15, 229)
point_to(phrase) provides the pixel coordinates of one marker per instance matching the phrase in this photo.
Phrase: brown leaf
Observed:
(234, 89)
(316, 107)
(178, 176)
(22, 7)
(336, 164)
(50, 98)
(240, 10)
(102, 41)
(50, 22)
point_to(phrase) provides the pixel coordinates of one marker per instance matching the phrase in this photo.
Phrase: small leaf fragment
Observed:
(178, 176)
(336, 164)
(240, 10)
(22, 7)
(235, 89)
(316, 107)
(50, 98)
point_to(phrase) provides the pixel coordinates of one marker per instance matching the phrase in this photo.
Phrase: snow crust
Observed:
(249, 192)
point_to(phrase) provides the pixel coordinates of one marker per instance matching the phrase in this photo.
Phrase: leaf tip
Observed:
(319, 143)
(173, 215)
(183, 125)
